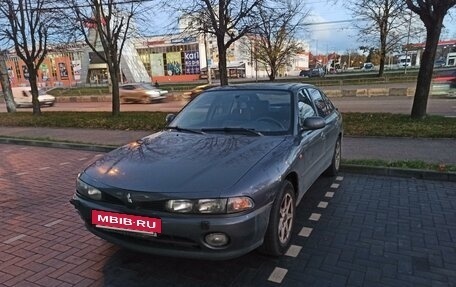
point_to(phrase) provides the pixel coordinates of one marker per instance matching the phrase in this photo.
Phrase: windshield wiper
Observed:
(184, 130)
(233, 130)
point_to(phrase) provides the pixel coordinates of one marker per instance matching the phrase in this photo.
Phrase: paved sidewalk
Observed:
(428, 150)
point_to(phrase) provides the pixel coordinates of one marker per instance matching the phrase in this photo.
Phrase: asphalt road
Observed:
(354, 230)
(402, 105)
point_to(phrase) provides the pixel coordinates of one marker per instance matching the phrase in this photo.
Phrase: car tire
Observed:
(333, 169)
(281, 220)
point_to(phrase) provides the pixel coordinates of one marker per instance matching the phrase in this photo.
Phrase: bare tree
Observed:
(432, 13)
(107, 22)
(27, 26)
(5, 82)
(226, 20)
(275, 41)
(382, 20)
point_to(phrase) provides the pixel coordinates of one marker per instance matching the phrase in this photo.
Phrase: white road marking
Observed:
(293, 251)
(21, 173)
(277, 275)
(11, 240)
(82, 158)
(99, 155)
(305, 232)
(44, 168)
(323, 204)
(315, 216)
(24, 147)
(335, 185)
(339, 178)
(53, 223)
(64, 163)
(329, 194)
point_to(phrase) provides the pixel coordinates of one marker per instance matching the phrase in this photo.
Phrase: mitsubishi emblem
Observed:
(129, 198)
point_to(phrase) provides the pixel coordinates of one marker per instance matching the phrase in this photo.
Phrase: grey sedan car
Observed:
(223, 178)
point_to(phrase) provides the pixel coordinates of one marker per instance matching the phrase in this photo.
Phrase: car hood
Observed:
(175, 162)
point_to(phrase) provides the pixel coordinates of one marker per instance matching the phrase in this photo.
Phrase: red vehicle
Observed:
(444, 81)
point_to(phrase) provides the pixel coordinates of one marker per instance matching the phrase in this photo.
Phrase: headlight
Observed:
(210, 206)
(87, 190)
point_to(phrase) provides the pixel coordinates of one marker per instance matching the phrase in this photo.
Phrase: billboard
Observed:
(173, 63)
(192, 63)
(63, 71)
(76, 64)
(156, 65)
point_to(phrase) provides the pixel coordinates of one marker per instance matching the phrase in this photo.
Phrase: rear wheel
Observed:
(278, 235)
(333, 169)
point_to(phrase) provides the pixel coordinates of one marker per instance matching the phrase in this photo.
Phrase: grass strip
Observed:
(355, 124)
(405, 164)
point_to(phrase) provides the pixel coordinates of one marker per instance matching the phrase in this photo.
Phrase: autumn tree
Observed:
(275, 35)
(381, 20)
(27, 26)
(432, 14)
(226, 20)
(105, 22)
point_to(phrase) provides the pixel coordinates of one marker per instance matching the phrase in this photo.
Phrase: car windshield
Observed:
(265, 112)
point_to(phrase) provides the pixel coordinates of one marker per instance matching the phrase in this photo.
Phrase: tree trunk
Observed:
(114, 72)
(382, 58)
(6, 85)
(34, 88)
(273, 73)
(424, 79)
(222, 62)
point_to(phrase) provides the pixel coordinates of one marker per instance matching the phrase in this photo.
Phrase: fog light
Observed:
(216, 239)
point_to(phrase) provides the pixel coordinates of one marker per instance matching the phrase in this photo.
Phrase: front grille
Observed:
(138, 202)
(162, 240)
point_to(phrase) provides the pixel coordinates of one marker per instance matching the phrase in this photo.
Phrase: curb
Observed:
(349, 168)
(57, 144)
(399, 172)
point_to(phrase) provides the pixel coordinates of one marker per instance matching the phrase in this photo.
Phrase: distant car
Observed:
(223, 178)
(439, 64)
(145, 93)
(198, 90)
(367, 66)
(304, 73)
(444, 81)
(317, 72)
(23, 97)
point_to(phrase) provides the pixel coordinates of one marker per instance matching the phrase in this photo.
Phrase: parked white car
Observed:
(23, 97)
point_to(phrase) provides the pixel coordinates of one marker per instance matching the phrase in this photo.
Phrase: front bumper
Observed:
(183, 235)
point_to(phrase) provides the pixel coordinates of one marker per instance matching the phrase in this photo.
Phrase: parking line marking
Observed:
(335, 185)
(24, 147)
(44, 168)
(21, 173)
(82, 158)
(64, 163)
(11, 240)
(293, 251)
(323, 204)
(53, 223)
(277, 275)
(339, 178)
(305, 232)
(315, 216)
(329, 194)
(99, 155)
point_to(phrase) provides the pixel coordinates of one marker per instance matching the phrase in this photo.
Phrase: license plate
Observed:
(126, 222)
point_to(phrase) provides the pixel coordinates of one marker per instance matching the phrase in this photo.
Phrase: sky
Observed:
(340, 35)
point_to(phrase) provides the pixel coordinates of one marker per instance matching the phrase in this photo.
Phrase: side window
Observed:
(321, 102)
(328, 102)
(305, 108)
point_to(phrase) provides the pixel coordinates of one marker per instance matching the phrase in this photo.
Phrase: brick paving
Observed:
(374, 231)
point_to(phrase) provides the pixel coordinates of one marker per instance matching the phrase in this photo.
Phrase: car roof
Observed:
(264, 86)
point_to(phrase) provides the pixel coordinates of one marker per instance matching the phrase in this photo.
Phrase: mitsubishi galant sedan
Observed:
(223, 178)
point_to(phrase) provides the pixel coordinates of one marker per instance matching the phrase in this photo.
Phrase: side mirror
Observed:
(313, 123)
(169, 118)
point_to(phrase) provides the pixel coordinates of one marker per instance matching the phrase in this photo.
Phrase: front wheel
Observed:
(278, 235)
